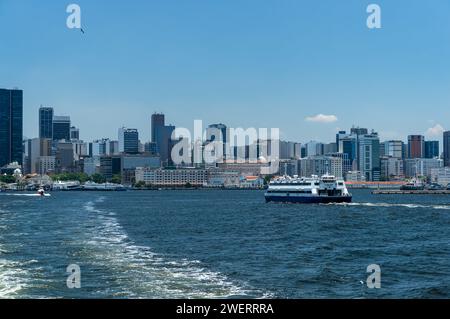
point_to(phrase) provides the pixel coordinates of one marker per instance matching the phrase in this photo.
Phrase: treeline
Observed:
(83, 178)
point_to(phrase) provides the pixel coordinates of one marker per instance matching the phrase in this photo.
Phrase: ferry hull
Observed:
(309, 199)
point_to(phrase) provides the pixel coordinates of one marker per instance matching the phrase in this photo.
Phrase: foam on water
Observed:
(141, 273)
(12, 274)
(412, 205)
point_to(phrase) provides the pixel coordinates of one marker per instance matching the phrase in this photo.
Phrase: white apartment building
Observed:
(167, 177)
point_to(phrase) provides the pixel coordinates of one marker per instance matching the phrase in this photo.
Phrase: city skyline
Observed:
(316, 66)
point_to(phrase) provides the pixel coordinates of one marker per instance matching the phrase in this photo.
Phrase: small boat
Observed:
(41, 192)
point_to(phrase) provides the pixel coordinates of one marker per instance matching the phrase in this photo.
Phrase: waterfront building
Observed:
(441, 175)
(128, 141)
(416, 146)
(11, 126)
(172, 177)
(46, 165)
(129, 163)
(46, 122)
(223, 178)
(355, 176)
(447, 149)
(416, 167)
(246, 169)
(251, 182)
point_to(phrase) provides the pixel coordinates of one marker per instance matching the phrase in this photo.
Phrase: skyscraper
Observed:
(128, 140)
(369, 156)
(431, 149)
(74, 133)
(416, 146)
(394, 149)
(158, 121)
(11, 126)
(61, 128)
(162, 136)
(46, 122)
(447, 149)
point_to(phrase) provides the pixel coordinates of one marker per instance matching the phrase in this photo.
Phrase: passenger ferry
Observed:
(319, 190)
(91, 186)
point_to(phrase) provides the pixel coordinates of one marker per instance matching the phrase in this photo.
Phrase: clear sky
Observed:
(246, 63)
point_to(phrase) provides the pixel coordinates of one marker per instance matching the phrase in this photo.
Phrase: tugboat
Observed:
(413, 185)
(313, 190)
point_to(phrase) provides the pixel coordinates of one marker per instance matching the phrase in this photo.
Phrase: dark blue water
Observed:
(222, 244)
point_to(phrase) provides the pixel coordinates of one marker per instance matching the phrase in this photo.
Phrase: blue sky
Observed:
(246, 63)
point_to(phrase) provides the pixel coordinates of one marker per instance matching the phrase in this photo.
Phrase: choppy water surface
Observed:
(222, 244)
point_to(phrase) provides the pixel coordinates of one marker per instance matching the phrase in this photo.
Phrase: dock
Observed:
(410, 192)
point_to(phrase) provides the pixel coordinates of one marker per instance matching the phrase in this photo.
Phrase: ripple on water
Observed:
(139, 272)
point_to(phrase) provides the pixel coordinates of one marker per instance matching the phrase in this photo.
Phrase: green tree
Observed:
(117, 179)
(7, 179)
(98, 178)
(140, 184)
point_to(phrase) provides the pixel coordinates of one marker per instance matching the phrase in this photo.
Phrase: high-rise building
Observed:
(431, 149)
(46, 122)
(61, 128)
(11, 126)
(391, 168)
(394, 149)
(369, 156)
(447, 149)
(74, 133)
(162, 136)
(64, 157)
(219, 133)
(348, 146)
(416, 146)
(38, 147)
(128, 140)
(158, 121)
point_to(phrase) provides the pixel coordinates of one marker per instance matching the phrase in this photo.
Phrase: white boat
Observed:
(66, 186)
(41, 192)
(91, 186)
(327, 189)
